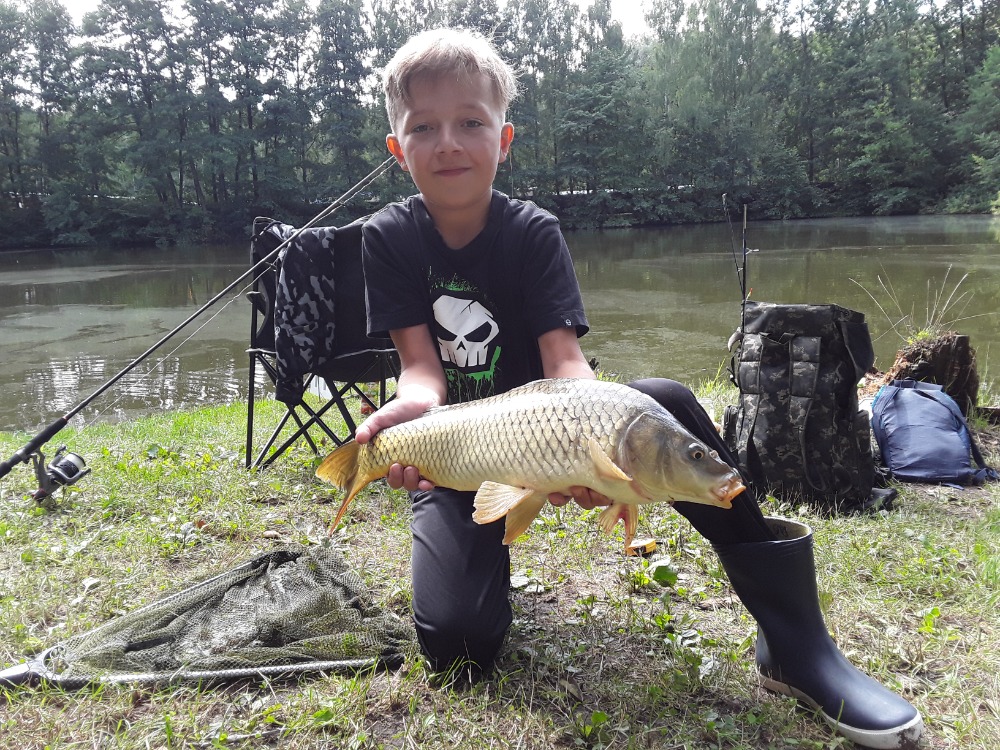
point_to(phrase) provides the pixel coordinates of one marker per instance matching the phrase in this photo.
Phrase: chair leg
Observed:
(251, 397)
(377, 371)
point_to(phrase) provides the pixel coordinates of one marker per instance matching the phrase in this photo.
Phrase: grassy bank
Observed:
(600, 654)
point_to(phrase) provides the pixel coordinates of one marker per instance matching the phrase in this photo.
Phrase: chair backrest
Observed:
(265, 240)
(310, 307)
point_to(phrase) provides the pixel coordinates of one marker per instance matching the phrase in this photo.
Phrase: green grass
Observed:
(605, 651)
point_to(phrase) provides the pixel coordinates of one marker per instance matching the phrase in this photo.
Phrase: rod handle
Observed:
(24, 454)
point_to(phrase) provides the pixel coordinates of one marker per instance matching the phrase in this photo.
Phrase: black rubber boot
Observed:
(776, 581)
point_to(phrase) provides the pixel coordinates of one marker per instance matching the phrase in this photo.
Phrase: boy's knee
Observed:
(461, 638)
(670, 394)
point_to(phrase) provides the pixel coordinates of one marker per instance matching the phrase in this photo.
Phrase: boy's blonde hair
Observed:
(441, 52)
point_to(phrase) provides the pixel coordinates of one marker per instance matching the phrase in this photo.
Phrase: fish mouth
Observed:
(728, 490)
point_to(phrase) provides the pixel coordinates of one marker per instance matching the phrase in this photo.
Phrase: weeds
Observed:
(945, 306)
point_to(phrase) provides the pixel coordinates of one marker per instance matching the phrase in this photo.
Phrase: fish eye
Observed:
(696, 452)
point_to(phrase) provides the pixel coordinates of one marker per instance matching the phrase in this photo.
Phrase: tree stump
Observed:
(948, 360)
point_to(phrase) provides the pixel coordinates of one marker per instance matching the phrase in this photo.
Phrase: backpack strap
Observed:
(764, 361)
(859, 345)
(746, 375)
(803, 363)
(984, 473)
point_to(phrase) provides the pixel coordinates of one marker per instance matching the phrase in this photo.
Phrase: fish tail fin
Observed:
(340, 468)
(343, 508)
(519, 504)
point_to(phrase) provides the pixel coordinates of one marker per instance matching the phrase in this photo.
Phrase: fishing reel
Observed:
(64, 470)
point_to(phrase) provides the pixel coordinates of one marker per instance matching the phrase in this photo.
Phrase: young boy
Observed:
(478, 294)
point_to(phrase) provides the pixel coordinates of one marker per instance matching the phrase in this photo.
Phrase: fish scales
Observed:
(526, 439)
(545, 437)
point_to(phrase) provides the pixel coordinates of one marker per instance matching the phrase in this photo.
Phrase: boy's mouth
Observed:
(451, 172)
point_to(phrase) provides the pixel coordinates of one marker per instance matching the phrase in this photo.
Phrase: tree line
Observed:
(157, 121)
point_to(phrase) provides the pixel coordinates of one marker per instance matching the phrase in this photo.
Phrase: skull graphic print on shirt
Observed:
(467, 335)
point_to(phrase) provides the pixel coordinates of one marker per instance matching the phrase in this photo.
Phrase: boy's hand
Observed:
(396, 412)
(585, 497)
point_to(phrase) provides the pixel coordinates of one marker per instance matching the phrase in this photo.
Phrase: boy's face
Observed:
(450, 137)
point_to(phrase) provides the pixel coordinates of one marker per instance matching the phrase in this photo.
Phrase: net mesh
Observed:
(286, 611)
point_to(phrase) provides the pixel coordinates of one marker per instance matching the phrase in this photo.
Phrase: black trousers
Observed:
(461, 569)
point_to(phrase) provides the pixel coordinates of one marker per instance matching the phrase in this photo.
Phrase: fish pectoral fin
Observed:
(494, 500)
(604, 465)
(626, 512)
(519, 504)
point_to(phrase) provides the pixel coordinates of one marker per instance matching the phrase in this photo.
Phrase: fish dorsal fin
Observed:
(519, 504)
(603, 464)
(626, 512)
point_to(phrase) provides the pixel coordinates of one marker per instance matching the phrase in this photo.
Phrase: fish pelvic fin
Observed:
(604, 465)
(627, 512)
(340, 468)
(521, 505)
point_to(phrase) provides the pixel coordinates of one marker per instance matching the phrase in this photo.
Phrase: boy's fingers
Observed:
(585, 497)
(408, 478)
(594, 498)
(558, 499)
(411, 478)
(393, 413)
(395, 476)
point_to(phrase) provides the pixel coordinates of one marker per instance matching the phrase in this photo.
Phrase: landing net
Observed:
(284, 612)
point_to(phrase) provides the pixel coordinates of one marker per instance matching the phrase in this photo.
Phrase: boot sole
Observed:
(900, 737)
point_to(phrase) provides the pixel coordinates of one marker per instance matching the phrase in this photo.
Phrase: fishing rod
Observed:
(741, 267)
(68, 468)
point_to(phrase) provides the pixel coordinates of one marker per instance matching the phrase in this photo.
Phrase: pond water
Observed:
(660, 302)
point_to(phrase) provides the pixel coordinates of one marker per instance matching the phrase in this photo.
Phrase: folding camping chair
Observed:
(308, 326)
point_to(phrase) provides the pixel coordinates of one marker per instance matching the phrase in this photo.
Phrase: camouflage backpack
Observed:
(797, 430)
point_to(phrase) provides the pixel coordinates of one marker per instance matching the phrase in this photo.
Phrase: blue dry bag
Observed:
(923, 436)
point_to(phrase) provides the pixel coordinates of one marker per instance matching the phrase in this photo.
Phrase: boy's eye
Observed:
(420, 128)
(473, 123)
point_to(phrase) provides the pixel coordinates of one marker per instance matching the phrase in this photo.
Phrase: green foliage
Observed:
(164, 122)
(979, 127)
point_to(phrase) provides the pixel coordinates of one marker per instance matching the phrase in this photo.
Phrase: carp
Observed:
(543, 437)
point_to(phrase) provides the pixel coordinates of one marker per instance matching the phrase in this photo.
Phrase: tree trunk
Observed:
(948, 360)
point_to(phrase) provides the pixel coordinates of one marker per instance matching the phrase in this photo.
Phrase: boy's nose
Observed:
(448, 139)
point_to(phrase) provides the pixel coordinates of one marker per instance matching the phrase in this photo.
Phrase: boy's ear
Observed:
(506, 137)
(392, 143)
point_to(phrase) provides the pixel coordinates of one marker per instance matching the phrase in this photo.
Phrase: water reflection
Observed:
(666, 301)
(70, 321)
(660, 302)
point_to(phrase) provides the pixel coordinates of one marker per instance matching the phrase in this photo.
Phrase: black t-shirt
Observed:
(487, 303)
